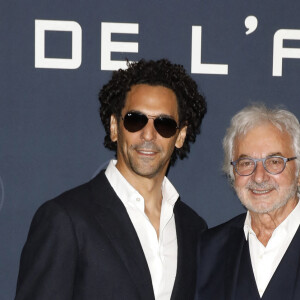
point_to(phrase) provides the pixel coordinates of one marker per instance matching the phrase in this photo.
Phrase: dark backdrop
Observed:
(51, 136)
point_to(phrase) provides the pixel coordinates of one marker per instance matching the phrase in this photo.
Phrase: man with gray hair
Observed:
(257, 255)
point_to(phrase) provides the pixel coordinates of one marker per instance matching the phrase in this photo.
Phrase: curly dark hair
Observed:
(191, 104)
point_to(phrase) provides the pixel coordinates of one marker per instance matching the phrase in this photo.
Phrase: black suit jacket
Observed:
(82, 245)
(225, 270)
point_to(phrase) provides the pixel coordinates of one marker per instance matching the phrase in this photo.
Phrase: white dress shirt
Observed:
(265, 260)
(160, 253)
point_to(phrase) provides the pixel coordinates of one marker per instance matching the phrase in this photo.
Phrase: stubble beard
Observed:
(246, 201)
(148, 166)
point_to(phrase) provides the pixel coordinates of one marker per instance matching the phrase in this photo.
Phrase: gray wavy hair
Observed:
(252, 116)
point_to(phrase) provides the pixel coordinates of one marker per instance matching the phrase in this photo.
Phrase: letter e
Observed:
(107, 46)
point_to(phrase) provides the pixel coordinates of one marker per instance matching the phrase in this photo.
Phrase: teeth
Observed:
(146, 152)
(260, 192)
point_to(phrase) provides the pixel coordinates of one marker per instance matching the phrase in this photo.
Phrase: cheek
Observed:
(170, 146)
(126, 138)
(240, 182)
(286, 178)
(286, 182)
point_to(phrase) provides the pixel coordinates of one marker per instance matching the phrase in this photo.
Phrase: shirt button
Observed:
(138, 199)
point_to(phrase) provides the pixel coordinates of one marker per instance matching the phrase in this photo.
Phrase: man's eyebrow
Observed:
(271, 154)
(134, 111)
(275, 154)
(244, 156)
(165, 115)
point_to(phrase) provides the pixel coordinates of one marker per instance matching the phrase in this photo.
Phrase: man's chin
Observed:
(145, 170)
(263, 207)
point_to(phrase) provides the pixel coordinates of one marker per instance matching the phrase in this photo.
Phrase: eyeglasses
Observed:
(246, 166)
(135, 121)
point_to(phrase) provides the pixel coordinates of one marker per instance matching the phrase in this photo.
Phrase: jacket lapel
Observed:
(113, 218)
(233, 254)
(285, 281)
(186, 256)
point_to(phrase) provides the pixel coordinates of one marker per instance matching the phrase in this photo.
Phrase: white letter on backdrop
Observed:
(57, 63)
(197, 65)
(279, 52)
(107, 46)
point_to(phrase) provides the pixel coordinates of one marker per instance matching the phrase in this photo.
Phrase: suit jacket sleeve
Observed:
(48, 259)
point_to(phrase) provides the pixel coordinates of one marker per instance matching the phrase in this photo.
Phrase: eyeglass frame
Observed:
(285, 159)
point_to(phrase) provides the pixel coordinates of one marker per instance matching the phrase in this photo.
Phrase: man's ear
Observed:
(181, 137)
(113, 128)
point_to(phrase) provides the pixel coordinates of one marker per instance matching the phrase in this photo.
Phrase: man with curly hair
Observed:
(125, 234)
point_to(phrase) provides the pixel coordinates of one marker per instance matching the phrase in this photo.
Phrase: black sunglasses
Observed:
(135, 121)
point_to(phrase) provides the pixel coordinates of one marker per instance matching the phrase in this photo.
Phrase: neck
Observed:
(264, 224)
(150, 190)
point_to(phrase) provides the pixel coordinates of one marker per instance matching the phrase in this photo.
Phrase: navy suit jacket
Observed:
(82, 245)
(225, 270)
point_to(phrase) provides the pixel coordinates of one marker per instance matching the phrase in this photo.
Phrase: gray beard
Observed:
(291, 191)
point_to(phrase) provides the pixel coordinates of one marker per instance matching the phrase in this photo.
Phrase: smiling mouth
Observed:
(261, 192)
(146, 152)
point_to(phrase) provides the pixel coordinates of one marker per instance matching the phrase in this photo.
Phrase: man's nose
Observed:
(149, 132)
(260, 174)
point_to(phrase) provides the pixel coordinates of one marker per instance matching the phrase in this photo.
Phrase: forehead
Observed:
(152, 100)
(263, 140)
